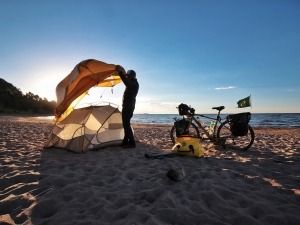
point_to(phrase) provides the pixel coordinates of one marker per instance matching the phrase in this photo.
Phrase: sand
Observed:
(121, 186)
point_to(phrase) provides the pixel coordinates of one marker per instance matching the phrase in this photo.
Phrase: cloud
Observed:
(225, 88)
(155, 105)
(290, 90)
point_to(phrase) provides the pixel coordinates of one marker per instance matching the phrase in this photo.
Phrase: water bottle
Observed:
(212, 127)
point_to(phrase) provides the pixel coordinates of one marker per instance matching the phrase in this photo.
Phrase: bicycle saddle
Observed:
(219, 108)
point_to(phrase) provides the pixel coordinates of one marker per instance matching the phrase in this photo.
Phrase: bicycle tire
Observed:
(193, 131)
(241, 143)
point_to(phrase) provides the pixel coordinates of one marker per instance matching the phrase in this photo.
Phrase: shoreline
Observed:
(120, 186)
(41, 118)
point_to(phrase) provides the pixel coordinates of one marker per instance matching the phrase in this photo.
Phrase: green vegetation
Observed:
(13, 101)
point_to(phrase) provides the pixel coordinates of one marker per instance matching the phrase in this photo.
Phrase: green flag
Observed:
(245, 102)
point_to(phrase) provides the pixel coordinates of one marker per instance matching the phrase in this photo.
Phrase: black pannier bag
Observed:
(181, 127)
(183, 109)
(239, 123)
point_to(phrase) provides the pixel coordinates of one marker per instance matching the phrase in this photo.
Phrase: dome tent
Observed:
(86, 128)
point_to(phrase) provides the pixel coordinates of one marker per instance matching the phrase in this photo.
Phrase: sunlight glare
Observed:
(44, 85)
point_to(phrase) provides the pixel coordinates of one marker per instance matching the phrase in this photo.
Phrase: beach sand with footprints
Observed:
(121, 186)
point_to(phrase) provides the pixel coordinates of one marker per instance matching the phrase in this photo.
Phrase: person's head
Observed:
(131, 74)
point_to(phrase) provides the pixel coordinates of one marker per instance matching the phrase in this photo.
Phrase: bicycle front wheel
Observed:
(193, 131)
(242, 143)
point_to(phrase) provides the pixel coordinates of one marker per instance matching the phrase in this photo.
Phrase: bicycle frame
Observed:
(218, 119)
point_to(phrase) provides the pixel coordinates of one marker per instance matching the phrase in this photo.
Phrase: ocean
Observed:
(276, 120)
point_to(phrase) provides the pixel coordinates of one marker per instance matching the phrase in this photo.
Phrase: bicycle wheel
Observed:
(242, 143)
(193, 131)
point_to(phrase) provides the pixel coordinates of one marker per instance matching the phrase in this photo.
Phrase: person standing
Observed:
(128, 104)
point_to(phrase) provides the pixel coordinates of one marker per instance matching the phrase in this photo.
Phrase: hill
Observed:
(12, 100)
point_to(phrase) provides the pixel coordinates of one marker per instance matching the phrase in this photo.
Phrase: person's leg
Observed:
(125, 126)
(126, 117)
(131, 140)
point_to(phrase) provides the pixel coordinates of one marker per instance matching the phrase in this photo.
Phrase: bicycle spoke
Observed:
(236, 142)
(192, 131)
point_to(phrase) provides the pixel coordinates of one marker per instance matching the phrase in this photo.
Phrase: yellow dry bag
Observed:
(189, 146)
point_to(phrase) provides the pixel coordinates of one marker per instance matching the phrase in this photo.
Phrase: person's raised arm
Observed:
(122, 74)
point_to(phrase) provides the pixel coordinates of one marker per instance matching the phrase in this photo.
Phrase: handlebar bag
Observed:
(183, 109)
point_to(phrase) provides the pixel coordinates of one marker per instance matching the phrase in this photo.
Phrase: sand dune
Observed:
(121, 186)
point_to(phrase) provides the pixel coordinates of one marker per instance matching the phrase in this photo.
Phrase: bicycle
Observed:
(235, 132)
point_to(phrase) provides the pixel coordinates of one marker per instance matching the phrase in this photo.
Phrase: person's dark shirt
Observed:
(131, 90)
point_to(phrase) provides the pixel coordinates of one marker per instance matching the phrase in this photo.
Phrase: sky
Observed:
(203, 53)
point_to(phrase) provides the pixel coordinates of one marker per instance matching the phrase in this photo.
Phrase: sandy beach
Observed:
(121, 186)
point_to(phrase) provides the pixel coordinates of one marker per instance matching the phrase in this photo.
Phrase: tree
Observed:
(13, 100)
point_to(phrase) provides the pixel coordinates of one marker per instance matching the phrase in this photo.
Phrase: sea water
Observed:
(257, 119)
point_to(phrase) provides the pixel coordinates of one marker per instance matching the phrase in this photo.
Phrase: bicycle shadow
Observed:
(273, 158)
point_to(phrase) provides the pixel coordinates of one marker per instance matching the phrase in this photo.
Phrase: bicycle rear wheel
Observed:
(193, 131)
(242, 143)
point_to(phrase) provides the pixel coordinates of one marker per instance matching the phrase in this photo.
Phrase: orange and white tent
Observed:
(74, 87)
(92, 127)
